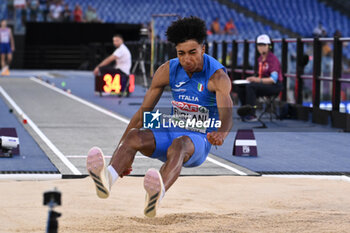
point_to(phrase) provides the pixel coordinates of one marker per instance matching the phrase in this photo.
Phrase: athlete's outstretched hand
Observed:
(126, 172)
(216, 138)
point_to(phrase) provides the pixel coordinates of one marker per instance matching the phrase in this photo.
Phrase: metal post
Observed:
(158, 53)
(224, 53)
(245, 57)
(215, 49)
(316, 82)
(256, 56)
(234, 58)
(284, 68)
(337, 70)
(171, 51)
(299, 72)
(161, 58)
(272, 47)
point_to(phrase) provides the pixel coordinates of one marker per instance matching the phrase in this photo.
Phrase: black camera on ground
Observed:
(52, 199)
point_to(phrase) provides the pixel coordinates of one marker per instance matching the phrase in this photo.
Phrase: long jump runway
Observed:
(65, 127)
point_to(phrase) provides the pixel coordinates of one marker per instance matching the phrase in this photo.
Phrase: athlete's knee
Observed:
(133, 138)
(181, 146)
(138, 138)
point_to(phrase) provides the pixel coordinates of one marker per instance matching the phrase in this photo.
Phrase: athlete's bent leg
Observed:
(178, 153)
(104, 177)
(156, 183)
(136, 140)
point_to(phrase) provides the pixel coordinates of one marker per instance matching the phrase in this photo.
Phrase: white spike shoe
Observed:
(153, 184)
(95, 165)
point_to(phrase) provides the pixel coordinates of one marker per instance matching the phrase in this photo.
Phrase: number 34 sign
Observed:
(110, 84)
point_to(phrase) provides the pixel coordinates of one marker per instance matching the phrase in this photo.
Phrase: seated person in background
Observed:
(230, 28)
(215, 26)
(122, 57)
(269, 80)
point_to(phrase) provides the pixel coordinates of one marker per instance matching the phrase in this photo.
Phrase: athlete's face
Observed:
(117, 41)
(190, 54)
(263, 49)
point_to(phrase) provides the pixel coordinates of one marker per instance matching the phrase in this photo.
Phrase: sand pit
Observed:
(193, 204)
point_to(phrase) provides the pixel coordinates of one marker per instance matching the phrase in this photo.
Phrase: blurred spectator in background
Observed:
(347, 67)
(230, 28)
(56, 9)
(10, 9)
(33, 10)
(326, 49)
(327, 59)
(215, 26)
(7, 46)
(19, 3)
(24, 15)
(319, 30)
(268, 81)
(78, 14)
(337, 33)
(67, 14)
(44, 6)
(91, 15)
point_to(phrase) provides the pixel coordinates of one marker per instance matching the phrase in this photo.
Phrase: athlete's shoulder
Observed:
(163, 70)
(174, 61)
(219, 74)
(219, 80)
(212, 65)
(210, 59)
(161, 76)
(165, 65)
(174, 65)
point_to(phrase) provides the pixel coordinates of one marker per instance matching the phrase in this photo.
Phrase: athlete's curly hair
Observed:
(190, 28)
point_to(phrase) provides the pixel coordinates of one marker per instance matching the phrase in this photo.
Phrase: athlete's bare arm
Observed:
(159, 82)
(220, 83)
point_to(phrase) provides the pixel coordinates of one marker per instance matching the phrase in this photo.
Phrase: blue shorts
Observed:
(5, 48)
(164, 138)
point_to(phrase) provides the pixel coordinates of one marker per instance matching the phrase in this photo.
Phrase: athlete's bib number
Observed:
(193, 116)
